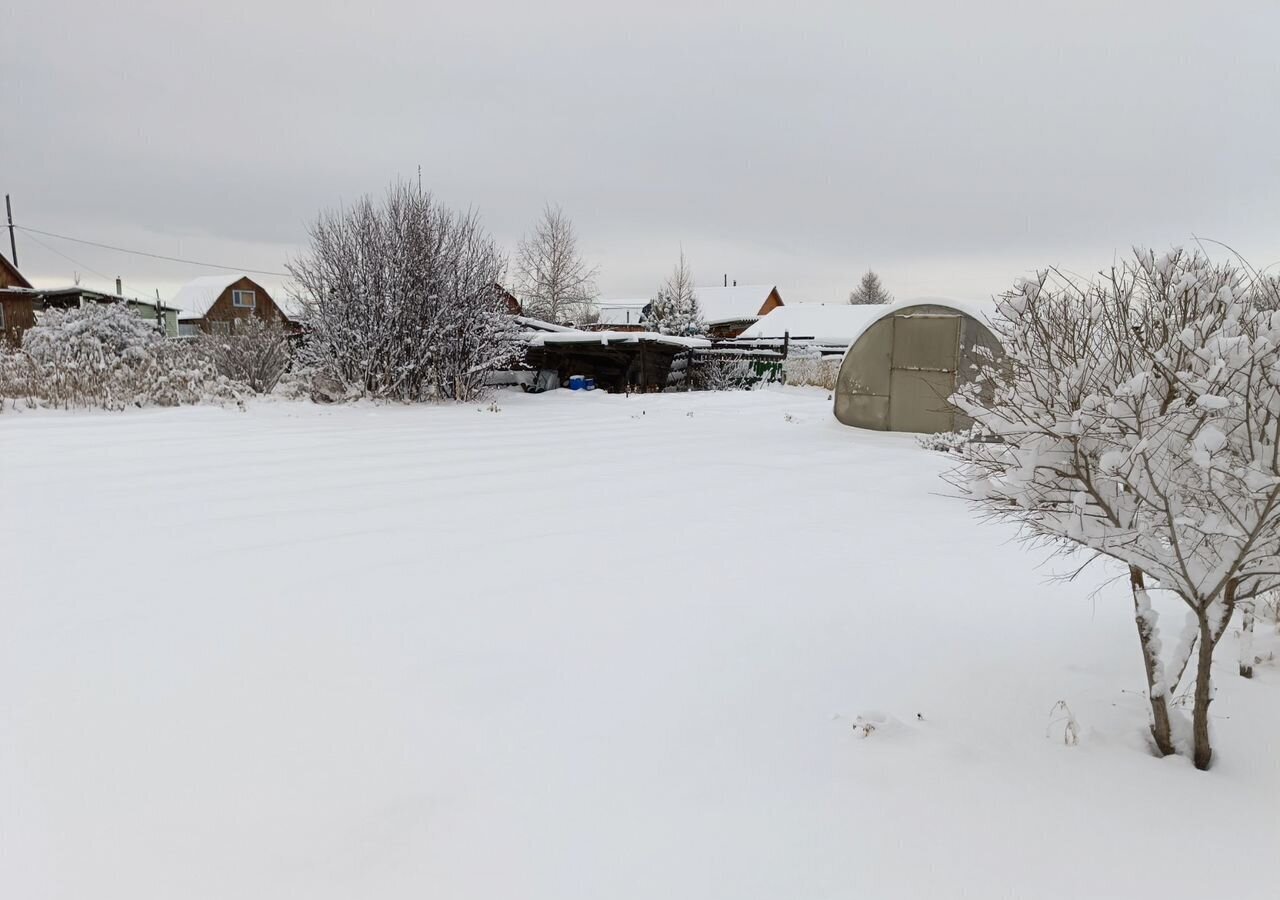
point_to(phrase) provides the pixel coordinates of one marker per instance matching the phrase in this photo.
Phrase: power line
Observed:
(69, 259)
(190, 262)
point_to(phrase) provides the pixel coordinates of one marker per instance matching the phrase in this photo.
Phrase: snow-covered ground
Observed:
(585, 646)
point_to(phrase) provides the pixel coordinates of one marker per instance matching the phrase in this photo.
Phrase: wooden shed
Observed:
(619, 361)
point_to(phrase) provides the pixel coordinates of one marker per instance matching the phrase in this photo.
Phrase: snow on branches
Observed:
(1139, 416)
(402, 300)
(106, 356)
(675, 310)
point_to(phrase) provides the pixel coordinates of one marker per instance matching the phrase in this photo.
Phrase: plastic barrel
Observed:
(577, 382)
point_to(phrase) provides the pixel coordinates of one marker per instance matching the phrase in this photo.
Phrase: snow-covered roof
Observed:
(621, 312)
(538, 325)
(573, 336)
(732, 304)
(196, 296)
(826, 323)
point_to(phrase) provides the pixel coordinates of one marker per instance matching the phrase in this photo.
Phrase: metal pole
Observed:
(13, 244)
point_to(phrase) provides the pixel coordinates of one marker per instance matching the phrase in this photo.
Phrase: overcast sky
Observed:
(950, 146)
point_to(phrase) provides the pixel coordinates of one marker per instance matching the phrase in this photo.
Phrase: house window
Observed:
(244, 299)
(1, 317)
(221, 327)
(189, 329)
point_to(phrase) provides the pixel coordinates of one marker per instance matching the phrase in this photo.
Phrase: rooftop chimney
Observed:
(118, 288)
(726, 279)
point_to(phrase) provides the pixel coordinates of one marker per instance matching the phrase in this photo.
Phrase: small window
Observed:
(244, 299)
(1, 317)
(221, 327)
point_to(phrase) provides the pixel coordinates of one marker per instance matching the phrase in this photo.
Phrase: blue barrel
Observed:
(577, 382)
(588, 384)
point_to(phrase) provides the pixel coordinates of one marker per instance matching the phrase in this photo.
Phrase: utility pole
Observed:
(13, 244)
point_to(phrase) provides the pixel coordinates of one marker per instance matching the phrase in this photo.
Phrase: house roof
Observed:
(825, 323)
(14, 274)
(732, 304)
(196, 296)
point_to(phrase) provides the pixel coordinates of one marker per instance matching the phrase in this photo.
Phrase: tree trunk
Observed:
(1203, 750)
(1246, 640)
(1161, 731)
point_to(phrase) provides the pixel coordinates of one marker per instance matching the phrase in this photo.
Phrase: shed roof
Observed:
(732, 304)
(573, 336)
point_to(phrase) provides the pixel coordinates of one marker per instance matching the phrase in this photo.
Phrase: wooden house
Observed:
(213, 303)
(727, 311)
(18, 303)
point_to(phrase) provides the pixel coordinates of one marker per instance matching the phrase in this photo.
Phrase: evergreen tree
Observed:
(674, 309)
(870, 291)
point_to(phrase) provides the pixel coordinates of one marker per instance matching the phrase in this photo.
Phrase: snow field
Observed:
(584, 646)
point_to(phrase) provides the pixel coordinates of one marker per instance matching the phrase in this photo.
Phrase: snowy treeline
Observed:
(674, 309)
(402, 300)
(106, 356)
(1140, 419)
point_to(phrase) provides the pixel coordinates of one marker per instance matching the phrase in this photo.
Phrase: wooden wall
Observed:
(19, 315)
(223, 310)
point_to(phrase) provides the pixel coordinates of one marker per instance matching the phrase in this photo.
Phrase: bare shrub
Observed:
(255, 353)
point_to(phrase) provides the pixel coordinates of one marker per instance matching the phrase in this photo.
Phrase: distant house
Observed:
(212, 304)
(164, 316)
(21, 305)
(620, 315)
(509, 299)
(727, 311)
(830, 327)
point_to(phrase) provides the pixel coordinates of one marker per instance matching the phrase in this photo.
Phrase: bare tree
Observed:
(554, 281)
(674, 310)
(401, 300)
(869, 291)
(1139, 418)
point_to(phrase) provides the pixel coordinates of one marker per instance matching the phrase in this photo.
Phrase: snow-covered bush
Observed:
(805, 366)
(255, 353)
(402, 301)
(103, 355)
(958, 442)
(723, 372)
(1139, 418)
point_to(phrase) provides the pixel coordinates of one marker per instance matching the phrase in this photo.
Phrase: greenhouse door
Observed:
(926, 350)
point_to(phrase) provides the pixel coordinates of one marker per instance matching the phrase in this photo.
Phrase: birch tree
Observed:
(554, 281)
(1139, 418)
